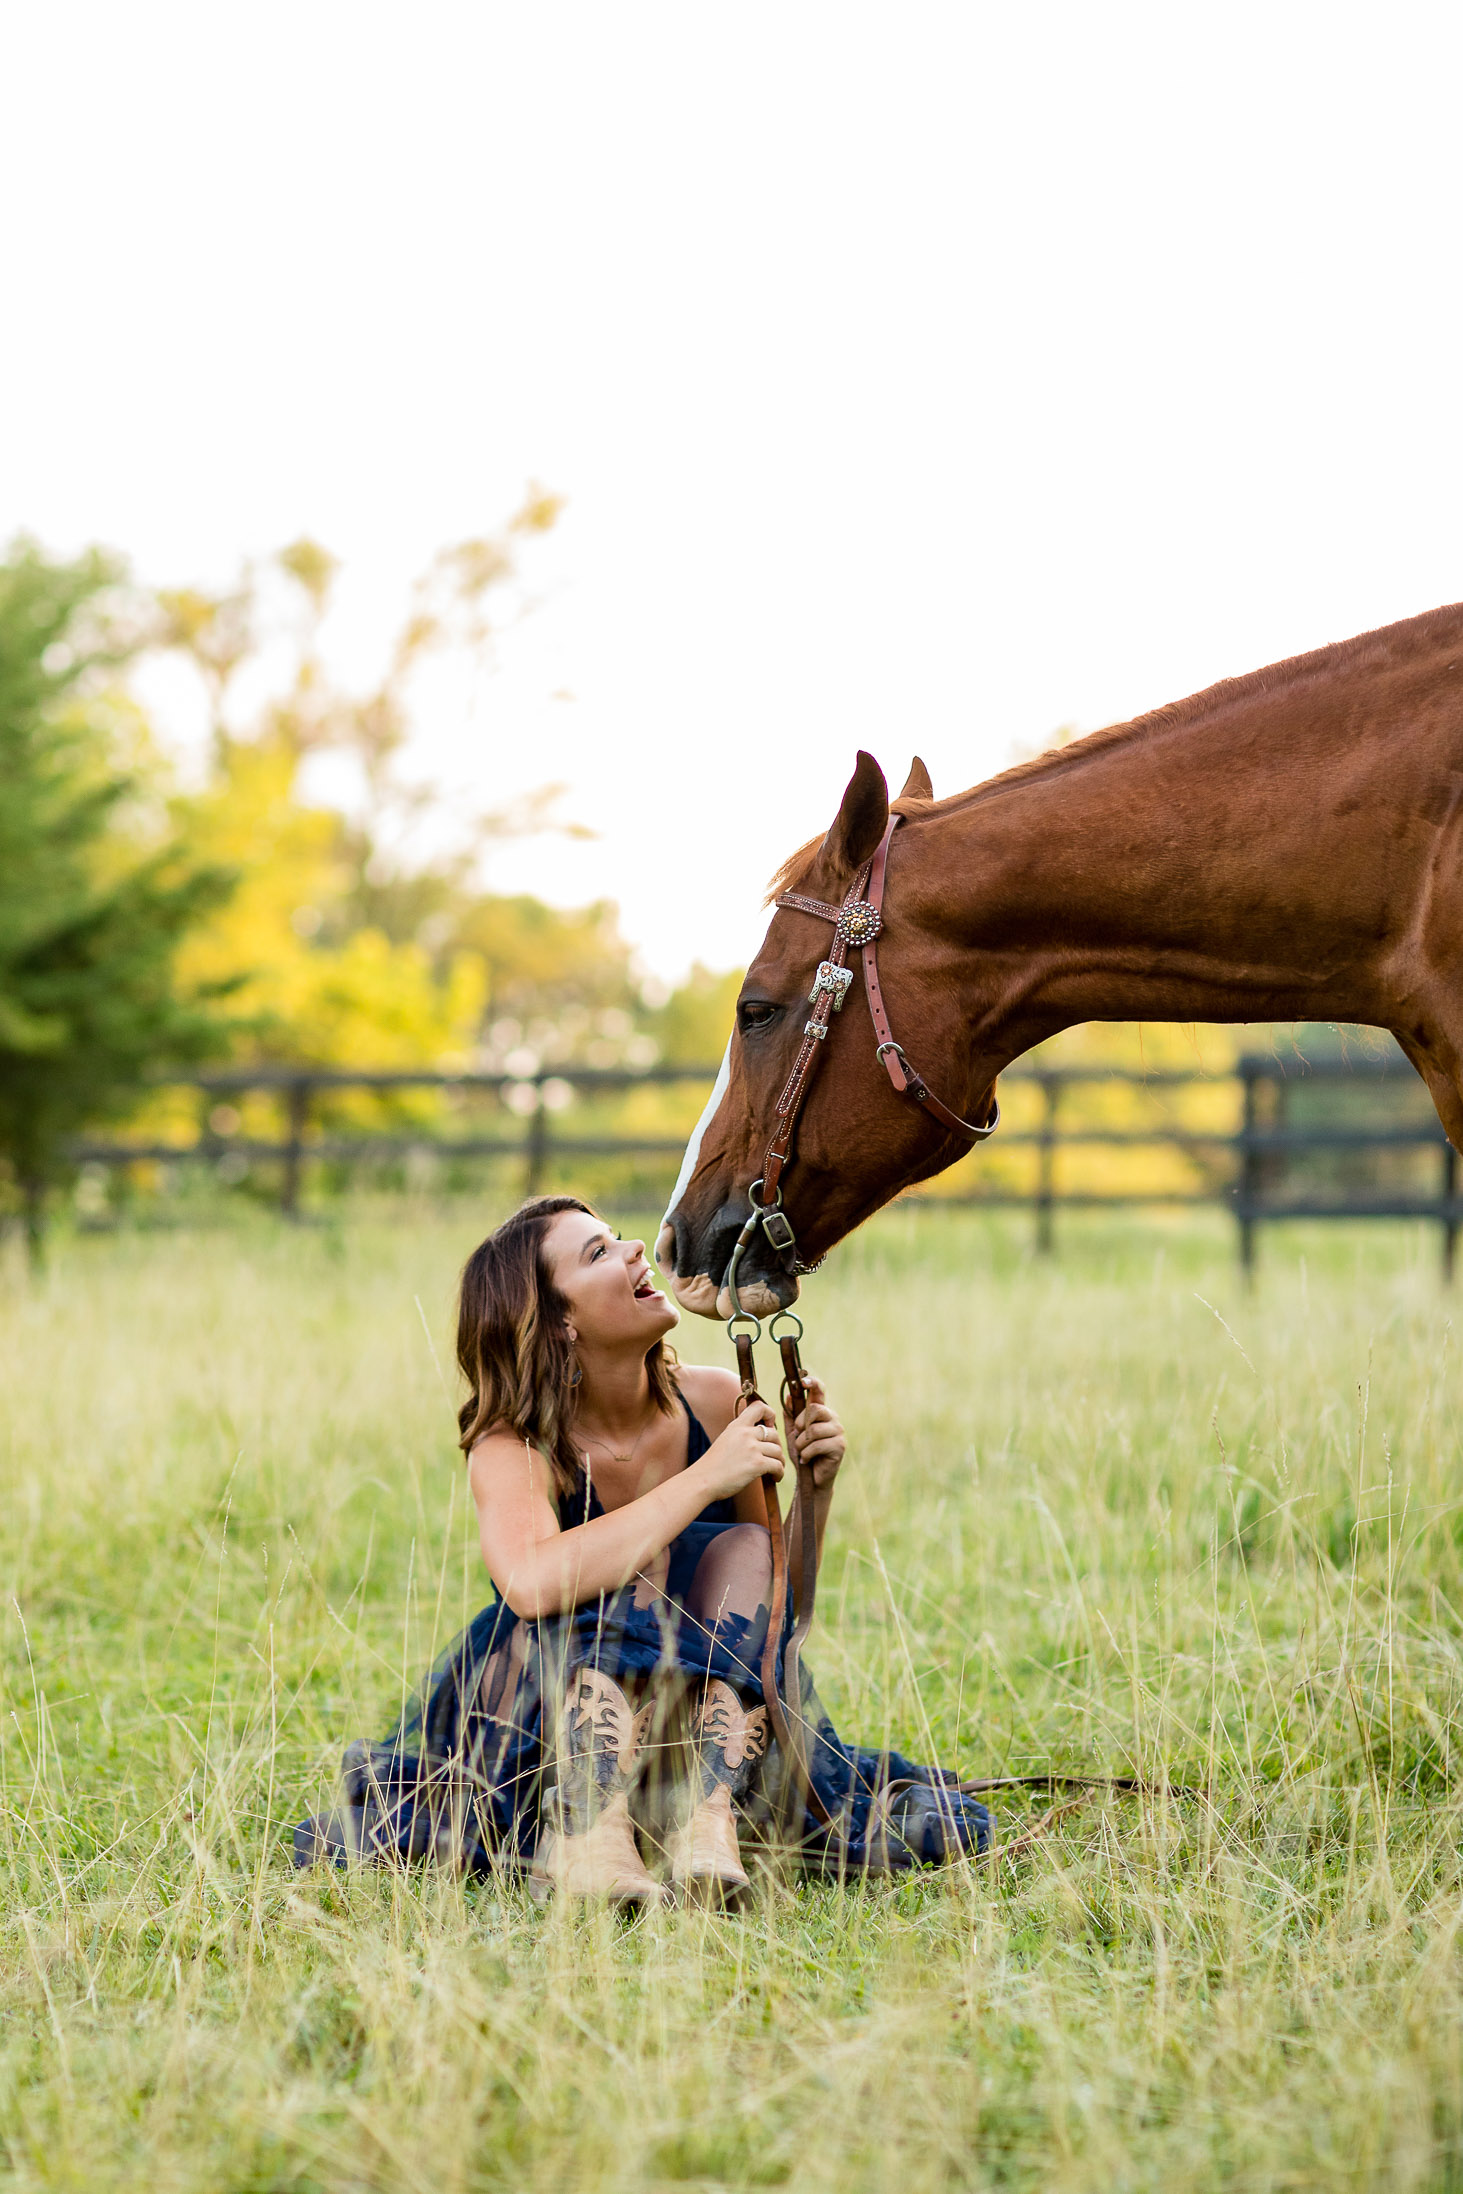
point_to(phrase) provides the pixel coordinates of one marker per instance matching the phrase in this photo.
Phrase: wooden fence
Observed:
(1278, 1160)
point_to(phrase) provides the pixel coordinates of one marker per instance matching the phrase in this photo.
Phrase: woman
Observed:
(608, 1695)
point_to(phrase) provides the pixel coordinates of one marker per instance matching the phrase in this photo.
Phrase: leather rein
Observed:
(857, 925)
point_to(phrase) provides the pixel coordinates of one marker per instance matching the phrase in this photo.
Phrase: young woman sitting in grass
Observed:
(605, 1707)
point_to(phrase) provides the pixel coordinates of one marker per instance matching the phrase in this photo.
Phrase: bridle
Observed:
(857, 925)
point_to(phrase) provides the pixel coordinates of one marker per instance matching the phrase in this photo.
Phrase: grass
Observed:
(1108, 1512)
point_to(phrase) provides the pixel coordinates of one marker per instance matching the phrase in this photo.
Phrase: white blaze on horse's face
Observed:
(665, 1242)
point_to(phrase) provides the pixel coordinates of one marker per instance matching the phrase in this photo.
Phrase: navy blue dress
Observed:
(459, 1776)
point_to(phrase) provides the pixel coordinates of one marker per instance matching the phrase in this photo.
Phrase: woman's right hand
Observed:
(749, 1449)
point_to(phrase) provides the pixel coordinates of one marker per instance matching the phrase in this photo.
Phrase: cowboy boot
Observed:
(728, 1741)
(587, 1846)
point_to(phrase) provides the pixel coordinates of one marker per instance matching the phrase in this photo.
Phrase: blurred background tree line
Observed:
(145, 927)
(304, 901)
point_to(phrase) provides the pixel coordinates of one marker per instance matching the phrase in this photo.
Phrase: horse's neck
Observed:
(1256, 864)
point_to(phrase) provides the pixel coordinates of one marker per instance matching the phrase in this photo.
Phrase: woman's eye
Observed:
(754, 1013)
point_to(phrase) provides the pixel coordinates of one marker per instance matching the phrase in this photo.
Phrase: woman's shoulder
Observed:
(710, 1393)
(498, 1448)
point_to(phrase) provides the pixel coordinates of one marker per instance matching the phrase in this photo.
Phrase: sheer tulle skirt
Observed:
(459, 1777)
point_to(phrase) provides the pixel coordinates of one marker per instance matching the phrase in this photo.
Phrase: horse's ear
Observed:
(861, 819)
(917, 784)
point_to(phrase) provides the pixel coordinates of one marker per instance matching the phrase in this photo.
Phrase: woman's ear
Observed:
(570, 1332)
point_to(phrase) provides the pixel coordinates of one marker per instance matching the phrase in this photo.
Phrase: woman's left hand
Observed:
(817, 1437)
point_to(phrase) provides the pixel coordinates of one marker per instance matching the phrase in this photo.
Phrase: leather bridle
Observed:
(857, 926)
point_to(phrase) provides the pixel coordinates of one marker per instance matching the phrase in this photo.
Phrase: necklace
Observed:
(619, 1455)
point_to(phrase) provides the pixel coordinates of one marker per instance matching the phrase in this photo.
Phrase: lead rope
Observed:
(787, 1729)
(797, 1776)
(803, 1522)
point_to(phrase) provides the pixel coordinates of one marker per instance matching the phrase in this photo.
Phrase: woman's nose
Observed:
(636, 1249)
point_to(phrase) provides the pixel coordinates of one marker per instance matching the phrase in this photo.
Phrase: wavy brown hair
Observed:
(513, 1345)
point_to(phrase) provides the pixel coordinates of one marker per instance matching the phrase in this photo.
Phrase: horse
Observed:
(1283, 846)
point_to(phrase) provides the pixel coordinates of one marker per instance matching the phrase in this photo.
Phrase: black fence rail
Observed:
(1338, 1138)
(297, 1089)
(1272, 1171)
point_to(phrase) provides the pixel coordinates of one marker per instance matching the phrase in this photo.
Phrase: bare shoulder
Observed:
(502, 1461)
(711, 1392)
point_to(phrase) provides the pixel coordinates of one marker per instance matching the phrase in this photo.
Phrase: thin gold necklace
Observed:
(618, 1455)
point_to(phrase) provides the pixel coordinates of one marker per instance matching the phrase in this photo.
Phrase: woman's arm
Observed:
(713, 1395)
(542, 1570)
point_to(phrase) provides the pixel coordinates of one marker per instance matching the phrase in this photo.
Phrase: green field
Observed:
(1107, 1512)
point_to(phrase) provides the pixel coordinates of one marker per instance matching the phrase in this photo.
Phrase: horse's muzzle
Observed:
(764, 1284)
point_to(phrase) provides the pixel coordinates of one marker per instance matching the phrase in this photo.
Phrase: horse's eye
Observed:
(754, 1013)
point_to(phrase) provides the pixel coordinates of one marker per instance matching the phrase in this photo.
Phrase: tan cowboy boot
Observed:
(727, 1742)
(587, 1847)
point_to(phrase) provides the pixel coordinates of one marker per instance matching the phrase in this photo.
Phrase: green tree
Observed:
(358, 938)
(95, 892)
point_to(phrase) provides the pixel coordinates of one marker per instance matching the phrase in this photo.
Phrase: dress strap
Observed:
(696, 1438)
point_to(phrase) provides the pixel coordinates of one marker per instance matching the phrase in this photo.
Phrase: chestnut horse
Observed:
(1287, 846)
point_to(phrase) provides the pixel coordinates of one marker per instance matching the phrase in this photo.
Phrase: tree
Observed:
(96, 892)
(357, 937)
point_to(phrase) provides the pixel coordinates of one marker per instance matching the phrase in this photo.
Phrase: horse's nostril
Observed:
(665, 1249)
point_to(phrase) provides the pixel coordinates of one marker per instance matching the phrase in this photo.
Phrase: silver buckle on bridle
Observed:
(831, 978)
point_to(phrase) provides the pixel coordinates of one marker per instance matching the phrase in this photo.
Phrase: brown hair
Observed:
(513, 1346)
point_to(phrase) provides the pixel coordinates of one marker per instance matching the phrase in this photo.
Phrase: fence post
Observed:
(1450, 1224)
(1249, 1171)
(298, 1105)
(1046, 1154)
(536, 1144)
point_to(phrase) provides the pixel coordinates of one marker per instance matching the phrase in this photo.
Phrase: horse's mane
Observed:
(1389, 644)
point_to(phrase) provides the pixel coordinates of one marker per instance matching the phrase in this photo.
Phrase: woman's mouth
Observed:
(647, 1290)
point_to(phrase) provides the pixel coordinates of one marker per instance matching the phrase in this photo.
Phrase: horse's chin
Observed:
(696, 1293)
(700, 1294)
(755, 1296)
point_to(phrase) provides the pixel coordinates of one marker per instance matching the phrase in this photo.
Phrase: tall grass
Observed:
(1107, 1513)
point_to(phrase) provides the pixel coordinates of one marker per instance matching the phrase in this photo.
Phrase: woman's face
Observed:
(607, 1283)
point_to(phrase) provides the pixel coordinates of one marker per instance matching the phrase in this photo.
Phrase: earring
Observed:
(576, 1375)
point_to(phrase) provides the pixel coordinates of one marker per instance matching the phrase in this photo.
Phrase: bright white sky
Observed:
(921, 377)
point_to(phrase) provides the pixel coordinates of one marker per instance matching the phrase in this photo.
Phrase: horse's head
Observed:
(856, 1144)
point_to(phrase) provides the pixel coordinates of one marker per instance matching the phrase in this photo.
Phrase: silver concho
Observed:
(859, 923)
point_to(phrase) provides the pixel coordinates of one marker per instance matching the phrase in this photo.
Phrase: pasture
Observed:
(1106, 1513)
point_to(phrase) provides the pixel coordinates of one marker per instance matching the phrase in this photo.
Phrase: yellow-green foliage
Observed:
(533, 955)
(1106, 1513)
(693, 1025)
(356, 1000)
